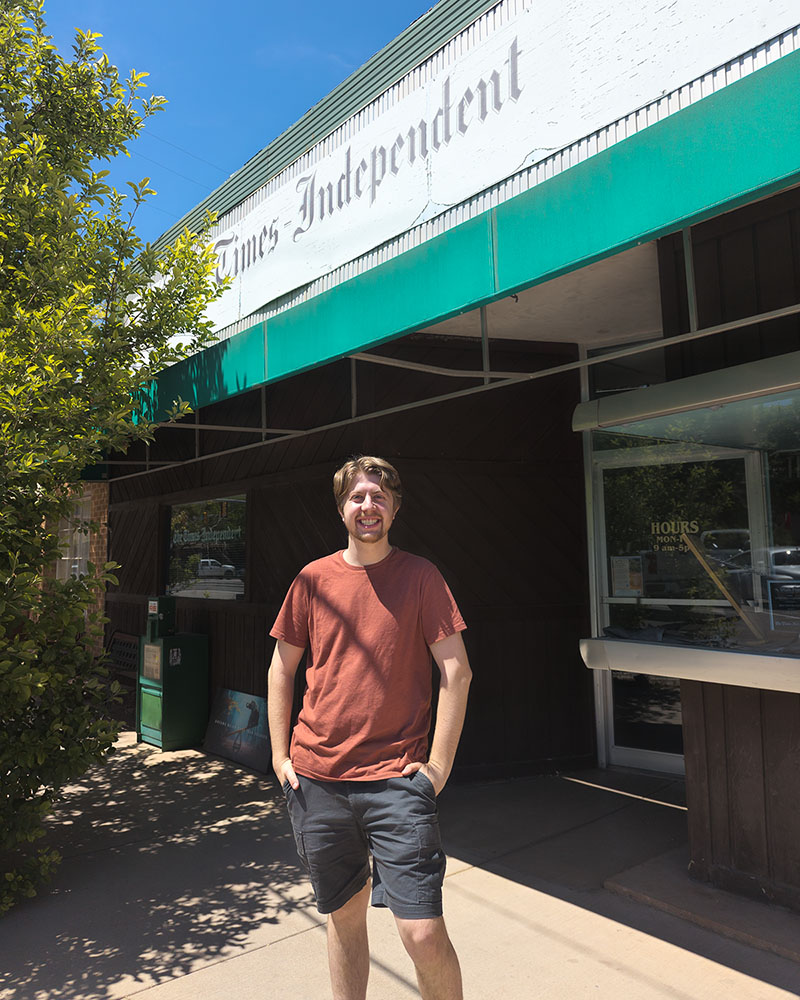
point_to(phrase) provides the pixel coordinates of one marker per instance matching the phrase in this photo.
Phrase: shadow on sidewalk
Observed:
(170, 861)
(174, 862)
(572, 836)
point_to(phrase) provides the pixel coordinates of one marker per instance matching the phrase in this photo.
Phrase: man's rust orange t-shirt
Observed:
(367, 706)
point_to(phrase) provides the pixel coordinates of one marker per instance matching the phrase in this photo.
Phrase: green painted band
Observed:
(740, 143)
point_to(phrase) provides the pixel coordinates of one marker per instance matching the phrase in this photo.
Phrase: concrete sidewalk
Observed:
(180, 880)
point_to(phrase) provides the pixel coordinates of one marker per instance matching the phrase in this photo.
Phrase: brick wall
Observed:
(97, 494)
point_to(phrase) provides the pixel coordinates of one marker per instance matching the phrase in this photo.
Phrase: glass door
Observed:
(670, 521)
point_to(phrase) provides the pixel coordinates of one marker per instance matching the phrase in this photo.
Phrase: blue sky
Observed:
(236, 75)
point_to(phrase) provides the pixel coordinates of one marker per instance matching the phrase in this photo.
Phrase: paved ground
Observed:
(180, 881)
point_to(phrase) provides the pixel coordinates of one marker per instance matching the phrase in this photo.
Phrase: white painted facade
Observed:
(523, 93)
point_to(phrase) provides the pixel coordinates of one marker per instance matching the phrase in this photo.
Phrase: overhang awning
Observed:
(736, 145)
(711, 389)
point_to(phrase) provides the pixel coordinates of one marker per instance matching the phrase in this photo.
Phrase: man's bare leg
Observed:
(348, 948)
(434, 958)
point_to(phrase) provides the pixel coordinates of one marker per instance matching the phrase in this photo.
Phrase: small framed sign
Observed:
(626, 576)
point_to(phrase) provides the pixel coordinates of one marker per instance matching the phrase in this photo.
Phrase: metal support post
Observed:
(691, 287)
(485, 344)
(599, 678)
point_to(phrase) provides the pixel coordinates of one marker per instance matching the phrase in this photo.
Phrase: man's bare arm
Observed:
(280, 696)
(451, 658)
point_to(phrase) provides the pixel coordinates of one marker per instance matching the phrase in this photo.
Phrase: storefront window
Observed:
(207, 549)
(700, 527)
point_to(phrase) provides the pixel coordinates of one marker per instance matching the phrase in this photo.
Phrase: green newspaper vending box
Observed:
(172, 690)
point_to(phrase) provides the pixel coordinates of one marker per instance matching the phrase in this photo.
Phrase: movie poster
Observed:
(237, 729)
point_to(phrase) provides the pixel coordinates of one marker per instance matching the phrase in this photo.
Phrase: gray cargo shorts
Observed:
(338, 824)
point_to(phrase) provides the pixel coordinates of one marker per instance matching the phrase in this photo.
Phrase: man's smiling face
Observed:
(368, 509)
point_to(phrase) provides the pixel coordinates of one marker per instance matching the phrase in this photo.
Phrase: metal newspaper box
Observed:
(172, 689)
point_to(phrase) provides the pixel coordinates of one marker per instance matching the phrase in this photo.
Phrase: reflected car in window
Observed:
(209, 568)
(725, 543)
(778, 568)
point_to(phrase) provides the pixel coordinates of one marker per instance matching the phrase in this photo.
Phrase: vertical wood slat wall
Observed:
(746, 262)
(742, 745)
(742, 767)
(493, 495)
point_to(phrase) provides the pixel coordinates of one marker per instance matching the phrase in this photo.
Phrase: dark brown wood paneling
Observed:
(781, 734)
(742, 745)
(493, 495)
(746, 262)
(126, 614)
(236, 641)
(716, 751)
(483, 738)
(745, 763)
(743, 789)
(778, 264)
(512, 423)
(134, 535)
(516, 713)
(697, 778)
(739, 294)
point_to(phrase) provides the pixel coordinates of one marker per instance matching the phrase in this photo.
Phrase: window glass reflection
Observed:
(207, 549)
(701, 526)
(647, 713)
(73, 535)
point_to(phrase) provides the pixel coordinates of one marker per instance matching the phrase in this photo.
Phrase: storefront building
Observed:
(549, 263)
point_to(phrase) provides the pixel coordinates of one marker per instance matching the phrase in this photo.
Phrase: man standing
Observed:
(358, 776)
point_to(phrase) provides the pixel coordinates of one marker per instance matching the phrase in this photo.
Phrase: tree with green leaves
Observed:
(88, 315)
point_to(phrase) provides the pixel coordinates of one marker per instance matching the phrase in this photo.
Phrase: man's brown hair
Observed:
(367, 465)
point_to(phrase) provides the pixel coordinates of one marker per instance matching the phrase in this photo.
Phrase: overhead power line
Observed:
(177, 173)
(194, 156)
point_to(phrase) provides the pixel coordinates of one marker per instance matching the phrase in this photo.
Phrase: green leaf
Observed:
(84, 326)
